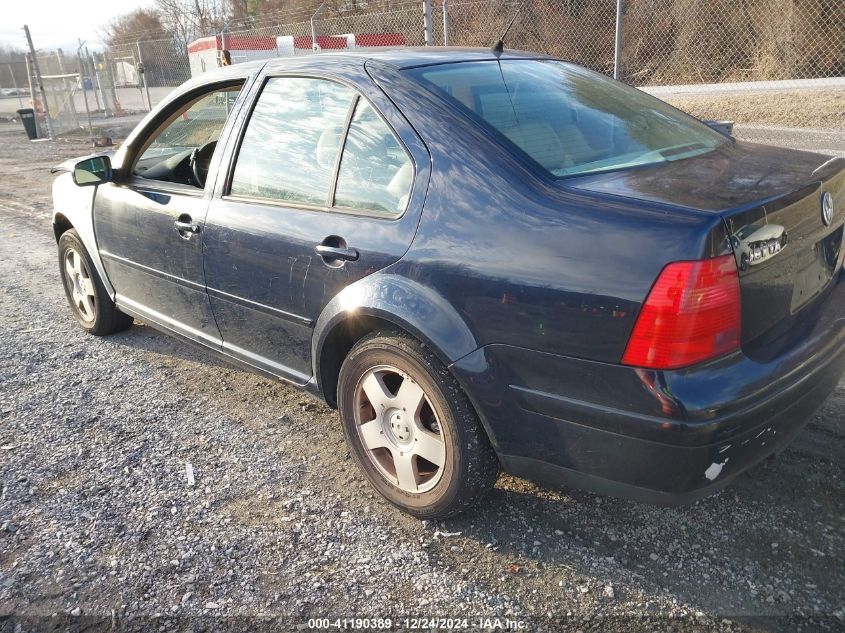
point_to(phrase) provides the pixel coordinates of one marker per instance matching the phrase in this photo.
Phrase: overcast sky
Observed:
(58, 23)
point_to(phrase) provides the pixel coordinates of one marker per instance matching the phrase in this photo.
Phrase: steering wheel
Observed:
(200, 162)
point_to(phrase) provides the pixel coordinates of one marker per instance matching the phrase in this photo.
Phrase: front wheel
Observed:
(411, 429)
(92, 307)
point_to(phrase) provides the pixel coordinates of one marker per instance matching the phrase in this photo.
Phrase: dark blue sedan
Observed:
(483, 260)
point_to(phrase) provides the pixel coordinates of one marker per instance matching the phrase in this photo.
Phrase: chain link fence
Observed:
(671, 41)
(661, 42)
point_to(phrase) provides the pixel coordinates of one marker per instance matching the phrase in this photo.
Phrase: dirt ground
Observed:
(99, 528)
(815, 109)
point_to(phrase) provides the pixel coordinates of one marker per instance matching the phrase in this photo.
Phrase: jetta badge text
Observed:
(827, 208)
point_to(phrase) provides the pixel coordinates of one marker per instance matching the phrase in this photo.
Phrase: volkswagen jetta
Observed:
(483, 259)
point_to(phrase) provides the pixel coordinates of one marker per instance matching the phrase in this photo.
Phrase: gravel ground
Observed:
(99, 527)
(790, 108)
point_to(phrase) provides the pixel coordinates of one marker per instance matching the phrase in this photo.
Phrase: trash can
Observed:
(27, 116)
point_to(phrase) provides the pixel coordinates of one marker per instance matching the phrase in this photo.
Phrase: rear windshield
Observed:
(568, 119)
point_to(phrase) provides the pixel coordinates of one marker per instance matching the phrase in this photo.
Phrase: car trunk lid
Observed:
(771, 202)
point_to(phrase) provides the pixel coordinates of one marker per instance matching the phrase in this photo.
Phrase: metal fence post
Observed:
(314, 46)
(428, 25)
(109, 75)
(67, 88)
(445, 22)
(82, 77)
(15, 84)
(95, 80)
(40, 84)
(142, 70)
(32, 95)
(617, 45)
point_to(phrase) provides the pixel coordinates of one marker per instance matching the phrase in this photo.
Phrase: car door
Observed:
(148, 223)
(326, 184)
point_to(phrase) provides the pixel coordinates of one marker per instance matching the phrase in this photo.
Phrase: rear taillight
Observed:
(691, 314)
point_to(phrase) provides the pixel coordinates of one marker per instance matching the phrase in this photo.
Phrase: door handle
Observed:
(186, 227)
(337, 252)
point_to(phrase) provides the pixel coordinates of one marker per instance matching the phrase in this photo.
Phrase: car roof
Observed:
(409, 57)
(400, 57)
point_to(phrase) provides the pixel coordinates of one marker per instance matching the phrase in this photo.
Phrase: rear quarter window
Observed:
(375, 171)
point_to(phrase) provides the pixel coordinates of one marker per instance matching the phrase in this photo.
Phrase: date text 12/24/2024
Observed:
(416, 624)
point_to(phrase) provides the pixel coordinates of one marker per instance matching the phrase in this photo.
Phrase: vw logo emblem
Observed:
(827, 208)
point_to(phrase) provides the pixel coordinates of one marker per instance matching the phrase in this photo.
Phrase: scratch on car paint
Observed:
(293, 261)
(305, 277)
(822, 166)
(714, 469)
(295, 266)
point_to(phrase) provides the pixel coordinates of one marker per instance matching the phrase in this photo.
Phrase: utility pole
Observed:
(617, 48)
(40, 84)
(445, 22)
(428, 23)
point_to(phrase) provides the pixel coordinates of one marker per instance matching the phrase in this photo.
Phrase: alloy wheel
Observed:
(399, 429)
(81, 285)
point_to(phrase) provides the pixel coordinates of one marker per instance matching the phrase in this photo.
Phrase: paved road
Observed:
(131, 99)
(744, 87)
(96, 517)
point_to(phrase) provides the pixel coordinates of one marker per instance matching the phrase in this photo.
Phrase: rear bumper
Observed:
(666, 438)
(667, 474)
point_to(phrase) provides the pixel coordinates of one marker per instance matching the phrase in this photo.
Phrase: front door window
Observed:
(180, 149)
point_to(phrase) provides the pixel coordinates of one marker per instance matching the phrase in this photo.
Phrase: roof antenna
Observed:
(499, 46)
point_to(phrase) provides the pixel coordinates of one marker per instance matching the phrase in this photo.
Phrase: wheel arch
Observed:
(61, 224)
(385, 301)
(73, 208)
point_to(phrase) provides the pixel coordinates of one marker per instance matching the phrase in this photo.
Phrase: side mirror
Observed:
(92, 171)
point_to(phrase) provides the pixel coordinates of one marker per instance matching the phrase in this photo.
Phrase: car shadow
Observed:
(761, 547)
(764, 546)
(144, 338)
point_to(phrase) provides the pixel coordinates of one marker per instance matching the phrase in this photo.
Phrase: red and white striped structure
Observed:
(205, 53)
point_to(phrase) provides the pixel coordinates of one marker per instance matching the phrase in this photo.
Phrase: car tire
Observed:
(92, 306)
(402, 413)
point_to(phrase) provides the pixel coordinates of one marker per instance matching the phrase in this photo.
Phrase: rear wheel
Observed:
(411, 429)
(91, 305)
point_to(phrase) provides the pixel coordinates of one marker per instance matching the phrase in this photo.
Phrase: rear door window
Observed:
(289, 149)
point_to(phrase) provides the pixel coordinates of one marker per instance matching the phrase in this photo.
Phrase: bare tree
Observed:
(187, 20)
(141, 24)
(11, 53)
